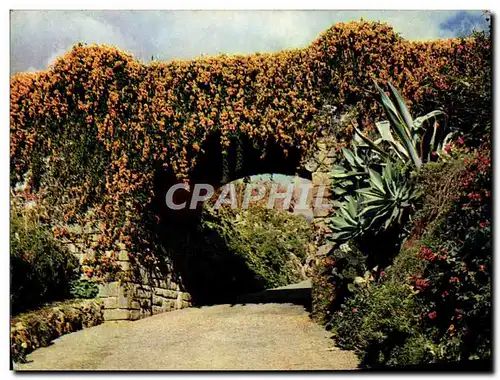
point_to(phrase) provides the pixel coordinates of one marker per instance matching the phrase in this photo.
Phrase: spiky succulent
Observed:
(415, 140)
(388, 198)
(347, 223)
(376, 192)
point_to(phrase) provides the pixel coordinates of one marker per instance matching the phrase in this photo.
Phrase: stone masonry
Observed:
(130, 301)
(127, 298)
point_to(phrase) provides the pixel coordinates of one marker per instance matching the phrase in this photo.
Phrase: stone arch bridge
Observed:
(174, 285)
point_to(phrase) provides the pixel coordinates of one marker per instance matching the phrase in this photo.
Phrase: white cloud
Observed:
(38, 37)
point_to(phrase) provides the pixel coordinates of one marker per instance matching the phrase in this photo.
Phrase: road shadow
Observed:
(299, 295)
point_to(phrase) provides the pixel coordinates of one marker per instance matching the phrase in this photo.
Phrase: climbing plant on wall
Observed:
(94, 128)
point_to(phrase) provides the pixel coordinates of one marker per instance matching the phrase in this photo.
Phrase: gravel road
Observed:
(266, 336)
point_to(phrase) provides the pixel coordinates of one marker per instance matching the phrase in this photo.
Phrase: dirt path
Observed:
(241, 337)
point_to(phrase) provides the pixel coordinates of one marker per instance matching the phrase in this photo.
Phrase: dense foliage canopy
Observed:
(92, 130)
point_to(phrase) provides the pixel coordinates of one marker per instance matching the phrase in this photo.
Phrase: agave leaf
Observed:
(408, 144)
(448, 137)
(371, 144)
(433, 138)
(352, 205)
(401, 124)
(400, 150)
(343, 236)
(381, 215)
(370, 208)
(349, 156)
(359, 160)
(419, 121)
(394, 113)
(403, 107)
(384, 128)
(395, 212)
(339, 191)
(347, 216)
(389, 105)
(371, 195)
(359, 141)
(376, 179)
(387, 172)
(337, 204)
(339, 222)
(338, 175)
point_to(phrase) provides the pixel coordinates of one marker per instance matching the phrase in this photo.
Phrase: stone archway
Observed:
(153, 293)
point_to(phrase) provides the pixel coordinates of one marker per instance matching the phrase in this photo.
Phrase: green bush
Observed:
(332, 280)
(381, 324)
(40, 269)
(273, 244)
(458, 273)
(29, 331)
(83, 289)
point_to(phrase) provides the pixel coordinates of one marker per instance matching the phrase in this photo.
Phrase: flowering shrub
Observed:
(97, 126)
(458, 271)
(380, 323)
(333, 279)
(434, 302)
(38, 328)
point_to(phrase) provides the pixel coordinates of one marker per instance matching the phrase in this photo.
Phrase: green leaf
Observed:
(384, 128)
(339, 222)
(403, 108)
(359, 280)
(376, 179)
(349, 156)
(371, 144)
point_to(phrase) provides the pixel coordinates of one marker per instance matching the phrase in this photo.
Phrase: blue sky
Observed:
(39, 37)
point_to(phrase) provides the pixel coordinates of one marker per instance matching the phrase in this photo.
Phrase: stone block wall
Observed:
(132, 297)
(320, 165)
(125, 300)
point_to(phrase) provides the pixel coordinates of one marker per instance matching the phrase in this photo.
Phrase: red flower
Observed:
(427, 254)
(460, 141)
(447, 148)
(445, 293)
(459, 316)
(454, 279)
(483, 224)
(432, 315)
(482, 268)
(354, 310)
(421, 284)
(382, 274)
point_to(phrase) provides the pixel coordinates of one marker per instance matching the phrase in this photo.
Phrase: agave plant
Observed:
(376, 193)
(347, 223)
(416, 139)
(353, 174)
(388, 198)
(384, 203)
